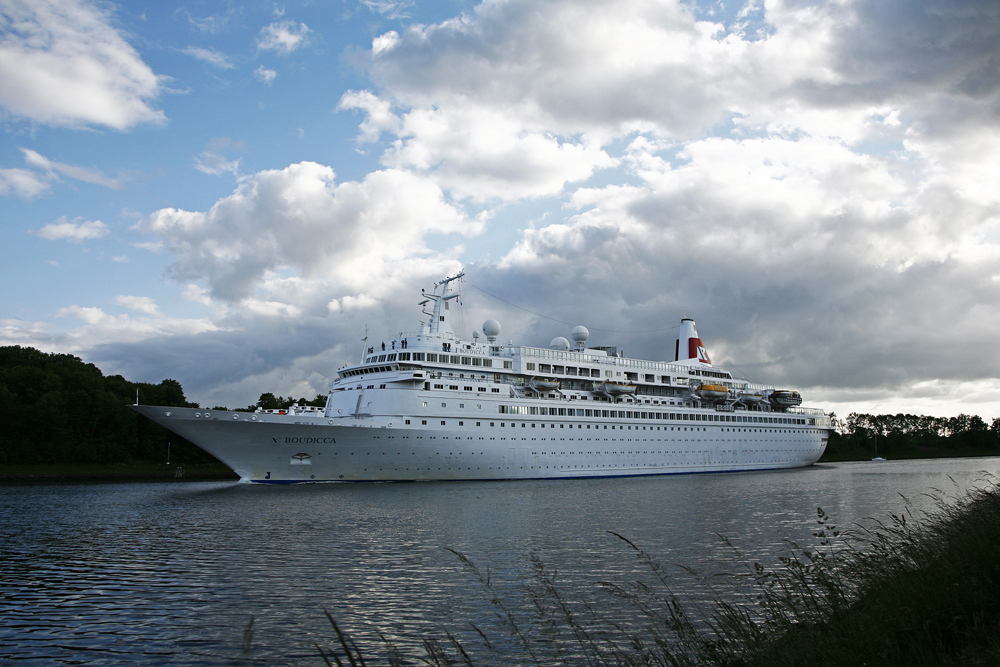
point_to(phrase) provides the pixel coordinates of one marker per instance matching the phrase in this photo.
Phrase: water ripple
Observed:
(173, 573)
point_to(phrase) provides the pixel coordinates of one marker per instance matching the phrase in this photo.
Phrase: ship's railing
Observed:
(807, 411)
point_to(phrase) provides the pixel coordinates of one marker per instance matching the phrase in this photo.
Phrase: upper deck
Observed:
(564, 370)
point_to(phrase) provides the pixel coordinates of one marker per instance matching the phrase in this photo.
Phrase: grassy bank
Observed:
(912, 591)
(113, 471)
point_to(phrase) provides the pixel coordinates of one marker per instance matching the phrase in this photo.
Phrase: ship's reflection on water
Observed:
(173, 573)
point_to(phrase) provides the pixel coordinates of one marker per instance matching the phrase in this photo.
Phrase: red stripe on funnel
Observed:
(693, 345)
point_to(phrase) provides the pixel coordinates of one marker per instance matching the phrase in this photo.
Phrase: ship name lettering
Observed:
(310, 441)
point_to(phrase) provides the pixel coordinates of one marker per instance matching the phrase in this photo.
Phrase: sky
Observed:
(232, 194)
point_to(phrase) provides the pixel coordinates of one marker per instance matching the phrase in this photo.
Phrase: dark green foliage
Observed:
(910, 436)
(54, 408)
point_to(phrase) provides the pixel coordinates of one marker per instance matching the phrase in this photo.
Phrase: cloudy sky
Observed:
(229, 193)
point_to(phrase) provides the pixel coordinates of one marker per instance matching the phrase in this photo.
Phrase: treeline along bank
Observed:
(54, 408)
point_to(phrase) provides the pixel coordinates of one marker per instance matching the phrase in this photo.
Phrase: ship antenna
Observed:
(364, 345)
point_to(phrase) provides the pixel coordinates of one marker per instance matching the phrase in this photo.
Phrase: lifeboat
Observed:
(541, 384)
(750, 399)
(714, 392)
(615, 389)
(785, 398)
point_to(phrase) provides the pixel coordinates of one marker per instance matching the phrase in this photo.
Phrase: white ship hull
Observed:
(430, 405)
(289, 449)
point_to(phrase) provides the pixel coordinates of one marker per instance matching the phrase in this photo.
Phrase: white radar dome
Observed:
(492, 329)
(580, 334)
(559, 343)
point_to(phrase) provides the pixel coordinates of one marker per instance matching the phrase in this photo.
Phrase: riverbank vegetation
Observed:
(61, 418)
(910, 591)
(56, 410)
(903, 436)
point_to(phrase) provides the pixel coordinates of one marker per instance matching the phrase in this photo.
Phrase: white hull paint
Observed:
(270, 448)
(462, 413)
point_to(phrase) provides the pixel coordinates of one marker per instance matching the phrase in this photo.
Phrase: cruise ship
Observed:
(434, 405)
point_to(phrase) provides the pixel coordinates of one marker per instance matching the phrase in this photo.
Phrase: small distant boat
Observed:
(878, 458)
(713, 391)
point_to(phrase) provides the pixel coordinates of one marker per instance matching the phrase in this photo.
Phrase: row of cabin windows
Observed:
(567, 370)
(423, 422)
(632, 414)
(427, 385)
(439, 358)
(653, 392)
(648, 378)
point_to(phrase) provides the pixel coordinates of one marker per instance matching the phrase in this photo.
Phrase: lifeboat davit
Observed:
(785, 398)
(714, 392)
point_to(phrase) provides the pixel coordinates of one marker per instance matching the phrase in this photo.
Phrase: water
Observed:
(173, 573)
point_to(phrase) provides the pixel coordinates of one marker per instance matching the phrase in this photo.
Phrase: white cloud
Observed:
(283, 36)
(97, 328)
(211, 24)
(100, 327)
(215, 164)
(197, 294)
(214, 159)
(74, 231)
(22, 332)
(142, 304)
(378, 113)
(294, 235)
(390, 9)
(84, 174)
(482, 154)
(23, 183)
(210, 56)
(572, 67)
(567, 78)
(385, 42)
(62, 63)
(265, 75)
(477, 152)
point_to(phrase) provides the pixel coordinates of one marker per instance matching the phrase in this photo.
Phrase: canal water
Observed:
(220, 573)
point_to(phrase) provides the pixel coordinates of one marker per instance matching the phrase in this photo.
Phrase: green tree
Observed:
(56, 408)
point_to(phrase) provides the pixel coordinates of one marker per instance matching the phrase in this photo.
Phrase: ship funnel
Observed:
(689, 346)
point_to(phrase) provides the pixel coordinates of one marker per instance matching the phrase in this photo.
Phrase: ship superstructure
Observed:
(431, 404)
